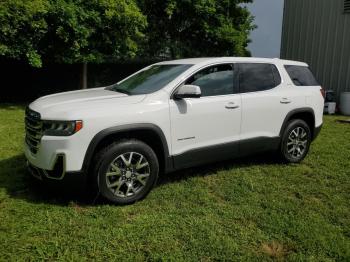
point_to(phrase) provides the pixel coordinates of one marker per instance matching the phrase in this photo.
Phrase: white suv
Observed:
(173, 115)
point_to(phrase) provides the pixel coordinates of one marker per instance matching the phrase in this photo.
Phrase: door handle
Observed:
(231, 105)
(285, 100)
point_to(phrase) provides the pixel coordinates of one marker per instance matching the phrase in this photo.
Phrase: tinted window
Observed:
(258, 77)
(150, 80)
(215, 80)
(276, 75)
(301, 75)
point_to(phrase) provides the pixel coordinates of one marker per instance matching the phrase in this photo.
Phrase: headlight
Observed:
(61, 128)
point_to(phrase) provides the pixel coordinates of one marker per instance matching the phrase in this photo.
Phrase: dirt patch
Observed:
(77, 208)
(276, 250)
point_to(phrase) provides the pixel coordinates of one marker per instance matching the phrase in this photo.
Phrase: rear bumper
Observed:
(316, 132)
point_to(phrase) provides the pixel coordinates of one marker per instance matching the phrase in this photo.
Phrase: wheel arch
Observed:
(150, 134)
(307, 114)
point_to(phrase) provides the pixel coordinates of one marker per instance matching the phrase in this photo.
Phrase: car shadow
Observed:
(17, 182)
(213, 168)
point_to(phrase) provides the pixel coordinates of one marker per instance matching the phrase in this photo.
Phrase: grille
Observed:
(33, 125)
(346, 6)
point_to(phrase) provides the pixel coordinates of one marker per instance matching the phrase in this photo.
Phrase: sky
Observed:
(266, 39)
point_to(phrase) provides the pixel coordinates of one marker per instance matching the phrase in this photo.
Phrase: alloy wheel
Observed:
(127, 174)
(297, 142)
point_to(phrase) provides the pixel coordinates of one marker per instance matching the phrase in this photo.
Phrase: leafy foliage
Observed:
(70, 31)
(94, 30)
(22, 26)
(197, 28)
(80, 31)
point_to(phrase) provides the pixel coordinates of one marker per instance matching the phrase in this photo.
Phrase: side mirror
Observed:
(188, 91)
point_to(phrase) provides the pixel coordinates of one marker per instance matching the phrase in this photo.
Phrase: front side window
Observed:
(150, 80)
(301, 75)
(258, 77)
(215, 80)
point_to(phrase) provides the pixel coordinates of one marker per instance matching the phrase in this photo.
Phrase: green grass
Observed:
(248, 209)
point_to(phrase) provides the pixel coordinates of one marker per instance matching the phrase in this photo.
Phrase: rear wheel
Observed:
(126, 171)
(296, 141)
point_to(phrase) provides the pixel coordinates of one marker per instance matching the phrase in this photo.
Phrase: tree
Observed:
(70, 31)
(93, 30)
(96, 31)
(190, 28)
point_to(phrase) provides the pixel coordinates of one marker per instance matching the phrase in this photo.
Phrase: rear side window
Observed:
(301, 75)
(258, 77)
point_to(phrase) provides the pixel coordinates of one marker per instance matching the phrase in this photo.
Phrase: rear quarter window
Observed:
(301, 75)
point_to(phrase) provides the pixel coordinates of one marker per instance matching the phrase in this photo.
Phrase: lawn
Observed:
(248, 209)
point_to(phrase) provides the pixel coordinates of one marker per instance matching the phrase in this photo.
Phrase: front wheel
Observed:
(296, 141)
(126, 171)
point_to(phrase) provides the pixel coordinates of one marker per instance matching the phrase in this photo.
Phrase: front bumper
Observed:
(57, 173)
(57, 156)
(72, 149)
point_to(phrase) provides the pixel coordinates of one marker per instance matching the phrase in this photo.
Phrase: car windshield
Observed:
(150, 80)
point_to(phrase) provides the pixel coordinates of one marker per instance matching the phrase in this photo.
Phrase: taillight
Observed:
(323, 93)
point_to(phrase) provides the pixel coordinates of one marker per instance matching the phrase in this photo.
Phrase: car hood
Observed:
(61, 105)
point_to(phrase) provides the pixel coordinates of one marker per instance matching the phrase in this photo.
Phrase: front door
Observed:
(207, 128)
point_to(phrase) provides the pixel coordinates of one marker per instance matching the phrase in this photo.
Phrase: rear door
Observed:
(265, 103)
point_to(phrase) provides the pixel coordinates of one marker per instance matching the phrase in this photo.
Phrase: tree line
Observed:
(97, 31)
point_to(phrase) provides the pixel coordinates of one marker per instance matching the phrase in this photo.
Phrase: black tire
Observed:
(287, 137)
(111, 153)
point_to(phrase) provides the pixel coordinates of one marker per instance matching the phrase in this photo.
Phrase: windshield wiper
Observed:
(122, 91)
(115, 88)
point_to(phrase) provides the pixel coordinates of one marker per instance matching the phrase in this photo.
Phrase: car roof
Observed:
(209, 60)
